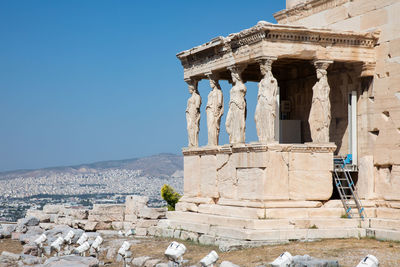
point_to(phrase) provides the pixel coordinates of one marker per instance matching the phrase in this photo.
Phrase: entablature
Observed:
(280, 41)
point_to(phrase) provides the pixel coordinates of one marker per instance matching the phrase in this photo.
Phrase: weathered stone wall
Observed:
(379, 103)
(279, 172)
(134, 214)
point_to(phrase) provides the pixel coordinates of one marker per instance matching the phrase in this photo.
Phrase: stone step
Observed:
(380, 223)
(383, 234)
(388, 213)
(281, 235)
(258, 224)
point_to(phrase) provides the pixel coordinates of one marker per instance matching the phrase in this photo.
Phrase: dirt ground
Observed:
(348, 252)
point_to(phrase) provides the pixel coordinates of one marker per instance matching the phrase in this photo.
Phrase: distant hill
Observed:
(157, 165)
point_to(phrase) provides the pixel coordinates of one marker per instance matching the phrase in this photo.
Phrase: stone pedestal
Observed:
(259, 172)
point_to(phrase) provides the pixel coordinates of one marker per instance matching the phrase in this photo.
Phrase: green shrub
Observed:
(170, 196)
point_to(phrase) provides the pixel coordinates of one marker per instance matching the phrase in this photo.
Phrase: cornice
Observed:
(306, 9)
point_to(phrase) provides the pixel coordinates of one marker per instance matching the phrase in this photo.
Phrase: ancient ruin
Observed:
(327, 111)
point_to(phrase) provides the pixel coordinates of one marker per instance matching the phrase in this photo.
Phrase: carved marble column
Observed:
(214, 110)
(320, 113)
(265, 114)
(193, 113)
(236, 117)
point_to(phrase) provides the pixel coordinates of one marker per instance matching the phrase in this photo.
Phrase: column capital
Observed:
(368, 69)
(238, 68)
(192, 80)
(212, 75)
(262, 59)
(322, 63)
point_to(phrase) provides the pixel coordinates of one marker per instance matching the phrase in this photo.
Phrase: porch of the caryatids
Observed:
(193, 113)
(236, 117)
(214, 110)
(265, 113)
(320, 113)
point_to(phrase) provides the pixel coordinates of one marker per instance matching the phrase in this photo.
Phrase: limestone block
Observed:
(140, 231)
(326, 212)
(229, 232)
(79, 214)
(103, 226)
(192, 176)
(272, 224)
(117, 225)
(177, 233)
(381, 234)
(388, 213)
(324, 223)
(154, 231)
(41, 215)
(250, 160)
(332, 233)
(240, 203)
(53, 209)
(207, 240)
(387, 182)
(232, 211)
(127, 225)
(276, 186)
(336, 14)
(146, 223)
(394, 204)
(134, 203)
(105, 217)
(112, 208)
(197, 200)
(79, 224)
(47, 226)
(394, 48)
(366, 181)
(185, 206)
(226, 176)
(286, 213)
(351, 24)
(140, 261)
(131, 218)
(208, 176)
(152, 213)
(185, 235)
(374, 19)
(310, 185)
(191, 226)
(391, 224)
(310, 161)
(251, 183)
(90, 226)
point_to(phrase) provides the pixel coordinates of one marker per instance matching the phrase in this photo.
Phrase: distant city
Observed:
(85, 185)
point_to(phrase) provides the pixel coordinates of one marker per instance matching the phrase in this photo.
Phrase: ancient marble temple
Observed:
(293, 63)
(322, 92)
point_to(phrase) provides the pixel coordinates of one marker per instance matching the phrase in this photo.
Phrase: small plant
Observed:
(313, 227)
(344, 216)
(170, 196)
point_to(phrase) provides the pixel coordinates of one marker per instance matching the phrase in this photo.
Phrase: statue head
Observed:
(213, 78)
(192, 85)
(235, 73)
(321, 73)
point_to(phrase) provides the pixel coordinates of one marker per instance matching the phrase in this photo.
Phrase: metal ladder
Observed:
(345, 186)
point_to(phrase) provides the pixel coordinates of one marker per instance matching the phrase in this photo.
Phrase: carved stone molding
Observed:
(257, 147)
(247, 46)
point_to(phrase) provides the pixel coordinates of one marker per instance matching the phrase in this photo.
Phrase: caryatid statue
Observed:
(236, 117)
(214, 110)
(266, 104)
(193, 113)
(320, 113)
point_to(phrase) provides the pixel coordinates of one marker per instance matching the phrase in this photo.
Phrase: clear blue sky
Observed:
(84, 81)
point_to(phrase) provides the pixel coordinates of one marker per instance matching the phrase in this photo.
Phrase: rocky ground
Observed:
(347, 251)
